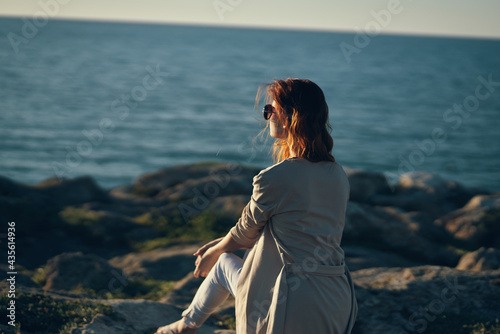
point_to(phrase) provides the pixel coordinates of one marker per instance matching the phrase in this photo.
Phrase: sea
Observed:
(117, 100)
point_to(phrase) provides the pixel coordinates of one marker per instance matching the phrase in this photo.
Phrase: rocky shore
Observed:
(424, 252)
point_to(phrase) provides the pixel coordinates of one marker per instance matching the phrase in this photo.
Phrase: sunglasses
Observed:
(267, 111)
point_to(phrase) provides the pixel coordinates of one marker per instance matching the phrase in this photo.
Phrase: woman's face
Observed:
(276, 128)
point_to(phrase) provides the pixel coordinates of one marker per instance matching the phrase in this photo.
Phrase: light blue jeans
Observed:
(214, 290)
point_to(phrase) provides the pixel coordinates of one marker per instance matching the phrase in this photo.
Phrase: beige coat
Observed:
(294, 279)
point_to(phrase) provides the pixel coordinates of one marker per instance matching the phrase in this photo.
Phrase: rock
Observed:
(477, 223)
(21, 280)
(72, 191)
(227, 208)
(137, 316)
(390, 300)
(35, 210)
(481, 259)
(484, 201)
(53, 192)
(102, 227)
(425, 181)
(169, 264)
(13, 189)
(427, 192)
(391, 229)
(130, 207)
(407, 227)
(164, 178)
(188, 190)
(230, 206)
(364, 184)
(70, 271)
(412, 300)
(207, 180)
(183, 292)
(359, 257)
(205, 189)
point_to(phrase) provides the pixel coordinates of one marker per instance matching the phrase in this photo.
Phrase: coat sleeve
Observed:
(257, 212)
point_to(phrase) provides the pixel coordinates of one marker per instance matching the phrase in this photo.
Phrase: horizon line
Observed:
(260, 27)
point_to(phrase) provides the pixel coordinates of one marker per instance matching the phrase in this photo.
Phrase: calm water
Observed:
(79, 98)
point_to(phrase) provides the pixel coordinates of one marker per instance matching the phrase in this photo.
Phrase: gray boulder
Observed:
(426, 298)
(72, 191)
(102, 227)
(392, 229)
(231, 206)
(35, 210)
(481, 259)
(360, 257)
(364, 184)
(78, 271)
(426, 192)
(21, 200)
(169, 264)
(477, 223)
(209, 180)
(138, 316)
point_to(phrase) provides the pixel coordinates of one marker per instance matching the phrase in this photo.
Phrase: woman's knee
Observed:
(223, 261)
(218, 269)
(227, 263)
(225, 257)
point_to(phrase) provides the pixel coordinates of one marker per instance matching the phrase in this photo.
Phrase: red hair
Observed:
(301, 106)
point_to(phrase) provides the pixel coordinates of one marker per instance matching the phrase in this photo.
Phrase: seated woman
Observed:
(293, 278)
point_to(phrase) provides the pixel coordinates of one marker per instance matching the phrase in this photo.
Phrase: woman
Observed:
(293, 278)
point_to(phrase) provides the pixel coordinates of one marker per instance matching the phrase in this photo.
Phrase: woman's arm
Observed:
(246, 232)
(204, 248)
(228, 244)
(209, 254)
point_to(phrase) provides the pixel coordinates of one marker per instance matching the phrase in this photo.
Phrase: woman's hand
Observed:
(209, 254)
(205, 262)
(204, 248)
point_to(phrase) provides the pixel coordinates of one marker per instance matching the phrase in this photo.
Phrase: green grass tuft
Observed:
(43, 314)
(203, 227)
(78, 216)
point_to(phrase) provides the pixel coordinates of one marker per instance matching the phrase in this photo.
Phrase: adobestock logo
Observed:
(31, 27)
(381, 19)
(453, 119)
(223, 6)
(119, 110)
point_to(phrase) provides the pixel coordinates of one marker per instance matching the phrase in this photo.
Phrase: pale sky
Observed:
(428, 17)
